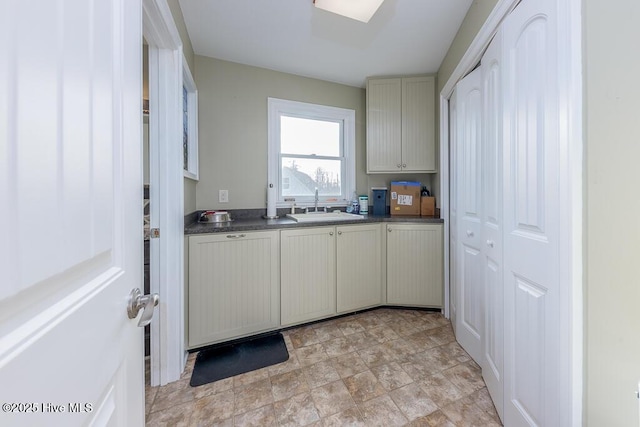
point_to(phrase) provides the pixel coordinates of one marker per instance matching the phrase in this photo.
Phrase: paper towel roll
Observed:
(271, 201)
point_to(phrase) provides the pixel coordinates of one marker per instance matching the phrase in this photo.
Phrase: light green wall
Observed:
(474, 19)
(187, 50)
(611, 110)
(233, 129)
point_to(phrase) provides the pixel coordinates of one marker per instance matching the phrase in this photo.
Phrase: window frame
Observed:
(279, 107)
(192, 126)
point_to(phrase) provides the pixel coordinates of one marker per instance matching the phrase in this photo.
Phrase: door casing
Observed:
(166, 191)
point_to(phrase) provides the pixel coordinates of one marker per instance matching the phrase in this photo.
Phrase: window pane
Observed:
(301, 177)
(308, 137)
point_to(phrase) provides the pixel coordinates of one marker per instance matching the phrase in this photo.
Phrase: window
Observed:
(311, 147)
(189, 123)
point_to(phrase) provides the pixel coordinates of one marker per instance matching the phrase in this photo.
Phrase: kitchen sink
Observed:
(324, 216)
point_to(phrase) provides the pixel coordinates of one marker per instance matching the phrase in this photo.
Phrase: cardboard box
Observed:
(427, 206)
(405, 198)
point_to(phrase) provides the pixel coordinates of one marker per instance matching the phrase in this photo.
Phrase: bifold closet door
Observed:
(468, 170)
(454, 282)
(493, 338)
(534, 358)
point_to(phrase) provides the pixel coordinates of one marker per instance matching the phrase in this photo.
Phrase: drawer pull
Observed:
(236, 236)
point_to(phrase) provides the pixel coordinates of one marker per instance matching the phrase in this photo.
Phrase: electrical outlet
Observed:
(223, 196)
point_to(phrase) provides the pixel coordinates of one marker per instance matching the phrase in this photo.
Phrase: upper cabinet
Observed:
(401, 125)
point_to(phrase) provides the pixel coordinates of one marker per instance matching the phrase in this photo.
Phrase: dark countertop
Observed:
(253, 223)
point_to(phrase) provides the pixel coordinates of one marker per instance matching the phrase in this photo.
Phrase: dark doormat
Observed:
(233, 359)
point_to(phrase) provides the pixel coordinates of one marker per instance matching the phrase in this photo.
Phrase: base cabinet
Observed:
(359, 267)
(414, 264)
(245, 283)
(308, 281)
(233, 285)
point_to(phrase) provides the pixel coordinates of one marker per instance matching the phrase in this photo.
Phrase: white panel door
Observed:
(533, 354)
(71, 213)
(470, 295)
(493, 339)
(454, 280)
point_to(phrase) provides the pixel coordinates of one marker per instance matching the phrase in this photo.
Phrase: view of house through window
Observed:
(311, 147)
(310, 152)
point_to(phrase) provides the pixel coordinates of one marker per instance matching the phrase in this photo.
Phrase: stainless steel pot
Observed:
(215, 216)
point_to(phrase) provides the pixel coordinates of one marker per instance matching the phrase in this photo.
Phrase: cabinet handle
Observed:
(469, 233)
(331, 233)
(399, 165)
(490, 243)
(236, 236)
(404, 165)
(339, 233)
(389, 229)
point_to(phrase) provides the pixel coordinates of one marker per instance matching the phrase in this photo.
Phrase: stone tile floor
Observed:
(385, 367)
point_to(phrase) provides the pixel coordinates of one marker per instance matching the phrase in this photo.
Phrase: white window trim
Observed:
(192, 127)
(278, 107)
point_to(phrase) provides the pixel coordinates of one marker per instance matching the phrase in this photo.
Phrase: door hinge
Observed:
(154, 233)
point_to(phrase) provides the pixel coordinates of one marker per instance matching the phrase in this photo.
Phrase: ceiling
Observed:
(403, 37)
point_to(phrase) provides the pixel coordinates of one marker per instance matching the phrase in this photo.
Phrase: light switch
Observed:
(223, 196)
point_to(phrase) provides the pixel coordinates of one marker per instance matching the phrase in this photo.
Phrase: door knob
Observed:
(138, 302)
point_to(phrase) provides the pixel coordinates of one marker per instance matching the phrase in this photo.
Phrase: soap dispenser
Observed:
(355, 203)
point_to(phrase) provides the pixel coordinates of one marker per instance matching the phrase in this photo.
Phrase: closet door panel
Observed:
(533, 359)
(470, 306)
(493, 342)
(454, 284)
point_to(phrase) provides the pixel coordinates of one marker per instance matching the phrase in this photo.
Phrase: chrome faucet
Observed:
(307, 209)
(316, 204)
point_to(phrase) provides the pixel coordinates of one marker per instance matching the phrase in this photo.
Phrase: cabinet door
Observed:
(359, 266)
(233, 285)
(414, 264)
(384, 130)
(308, 281)
(418, 124)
